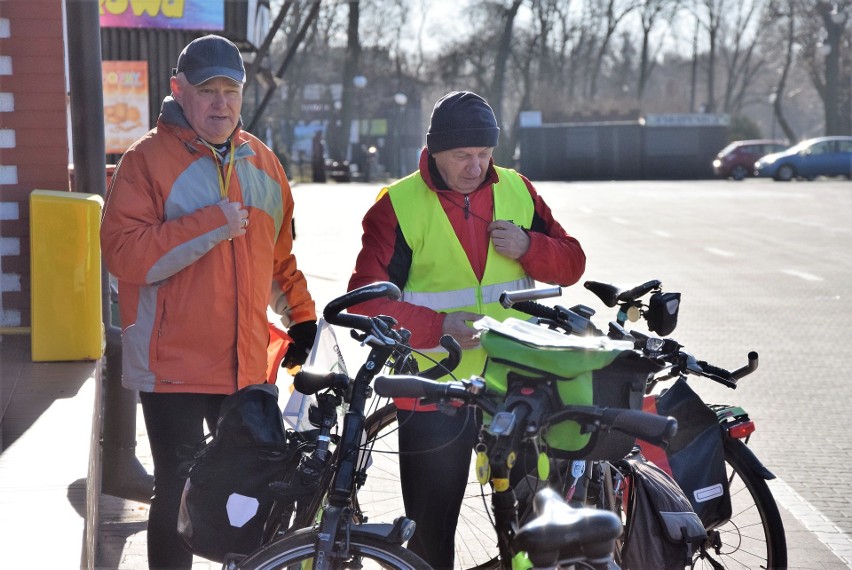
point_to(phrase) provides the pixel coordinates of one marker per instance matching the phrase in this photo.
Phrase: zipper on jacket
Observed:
(466, 206)
(237, 311)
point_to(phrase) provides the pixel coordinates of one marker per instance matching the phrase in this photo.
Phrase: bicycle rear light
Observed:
(742, 430)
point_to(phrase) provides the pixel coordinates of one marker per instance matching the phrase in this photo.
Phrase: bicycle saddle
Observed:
(560, 531)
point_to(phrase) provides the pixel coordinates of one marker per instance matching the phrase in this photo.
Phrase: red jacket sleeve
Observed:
(554, 257)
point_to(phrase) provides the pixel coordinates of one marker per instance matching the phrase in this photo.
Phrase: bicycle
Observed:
(325, 481)
(753, 534)
(342, 538)
(521, 418)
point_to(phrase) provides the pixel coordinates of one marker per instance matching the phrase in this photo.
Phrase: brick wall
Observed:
(33, 136)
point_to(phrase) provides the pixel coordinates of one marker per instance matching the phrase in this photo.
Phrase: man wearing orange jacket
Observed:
(196, 228)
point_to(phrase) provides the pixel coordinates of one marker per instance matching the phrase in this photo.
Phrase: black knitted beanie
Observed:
(461, 119)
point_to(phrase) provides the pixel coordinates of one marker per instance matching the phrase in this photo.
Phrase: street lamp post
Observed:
(359, 82)
(400, 99)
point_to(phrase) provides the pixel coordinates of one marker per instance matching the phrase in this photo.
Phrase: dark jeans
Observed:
(175, 425)
(435, 451)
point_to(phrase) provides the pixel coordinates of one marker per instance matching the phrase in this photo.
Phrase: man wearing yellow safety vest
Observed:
(453, 236)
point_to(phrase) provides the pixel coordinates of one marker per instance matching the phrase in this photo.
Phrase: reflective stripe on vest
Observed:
(435, 249)
(454, 300)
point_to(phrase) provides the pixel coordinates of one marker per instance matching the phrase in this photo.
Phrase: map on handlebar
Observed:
(544, 338)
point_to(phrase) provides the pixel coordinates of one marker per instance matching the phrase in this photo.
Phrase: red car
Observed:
(737, 159)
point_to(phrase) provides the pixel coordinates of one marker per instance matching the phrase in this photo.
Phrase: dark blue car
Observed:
(822, 156)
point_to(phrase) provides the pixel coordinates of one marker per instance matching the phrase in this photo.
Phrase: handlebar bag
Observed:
(226, 500)
(588, 371)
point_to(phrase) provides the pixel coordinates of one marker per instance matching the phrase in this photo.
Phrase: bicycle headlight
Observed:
(662, 312)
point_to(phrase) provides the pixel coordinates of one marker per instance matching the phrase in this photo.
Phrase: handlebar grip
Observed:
(537, 310)
(448, 363)
(333, 312)
(638, 291)
(509, 298)
(606, 292)
(718, 371)
(309, 381)
(649, 427)
(404, 386)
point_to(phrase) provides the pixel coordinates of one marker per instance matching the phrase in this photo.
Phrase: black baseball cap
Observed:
(208, 57)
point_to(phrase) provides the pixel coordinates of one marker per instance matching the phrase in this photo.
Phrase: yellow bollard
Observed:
(65, 273)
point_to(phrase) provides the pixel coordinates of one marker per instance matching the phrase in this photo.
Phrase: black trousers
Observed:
(175, 425)
(434, 462)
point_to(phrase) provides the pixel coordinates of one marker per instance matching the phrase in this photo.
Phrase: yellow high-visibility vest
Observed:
(440, 276)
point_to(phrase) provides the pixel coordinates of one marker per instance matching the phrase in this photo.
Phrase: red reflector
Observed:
(742, 430)
(527, 391)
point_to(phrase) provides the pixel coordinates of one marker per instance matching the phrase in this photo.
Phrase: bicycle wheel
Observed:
(379, 499)
(754, 537)
(366, 551)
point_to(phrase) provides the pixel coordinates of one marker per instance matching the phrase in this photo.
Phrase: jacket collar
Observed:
(172, 119)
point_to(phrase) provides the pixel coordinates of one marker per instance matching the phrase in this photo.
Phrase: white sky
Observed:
(442, 19)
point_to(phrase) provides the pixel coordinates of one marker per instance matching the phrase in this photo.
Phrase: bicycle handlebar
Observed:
(448, 363)
(638, 291)
(611, 295)
(577, 320)
(649, 427)
(636, 423)
(333, 312)
(509, 298)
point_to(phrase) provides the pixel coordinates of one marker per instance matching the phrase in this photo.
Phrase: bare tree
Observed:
(781, 15)
(651, 13)
(501, 61)
(611, 15)
(709, 16)
(831, 84)
(738, 41)
(338, 136)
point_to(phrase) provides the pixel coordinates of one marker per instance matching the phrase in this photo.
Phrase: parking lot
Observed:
(761, 265)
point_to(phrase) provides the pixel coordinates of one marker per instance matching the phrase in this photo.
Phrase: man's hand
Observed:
(303, 340)
(456, 325)
(237, 217)
(508, 239)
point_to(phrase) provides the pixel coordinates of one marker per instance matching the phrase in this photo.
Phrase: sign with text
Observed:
(687, 120)
(175, 14)
(125, 87)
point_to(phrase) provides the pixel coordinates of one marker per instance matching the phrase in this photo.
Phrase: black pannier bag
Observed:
(662, 530)
(226, 500)
(695, 456)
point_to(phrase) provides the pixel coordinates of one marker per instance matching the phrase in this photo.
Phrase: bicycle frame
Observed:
(337, 514)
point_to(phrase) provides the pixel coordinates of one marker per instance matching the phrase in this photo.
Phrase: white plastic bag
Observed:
(326, 356)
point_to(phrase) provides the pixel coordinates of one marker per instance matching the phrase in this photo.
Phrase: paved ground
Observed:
(761, 265)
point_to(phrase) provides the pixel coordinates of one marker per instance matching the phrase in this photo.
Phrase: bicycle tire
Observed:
(754, 536)
(366, 551)
(379, 498)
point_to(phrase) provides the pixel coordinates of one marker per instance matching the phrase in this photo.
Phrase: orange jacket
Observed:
(192, 302)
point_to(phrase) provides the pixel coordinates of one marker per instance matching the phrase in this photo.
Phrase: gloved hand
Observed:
(303, 339)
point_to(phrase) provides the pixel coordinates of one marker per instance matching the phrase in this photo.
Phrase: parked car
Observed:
(737, 159)
(337, 170)
(821, 156)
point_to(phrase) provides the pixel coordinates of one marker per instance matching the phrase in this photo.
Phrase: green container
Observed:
(587, 372)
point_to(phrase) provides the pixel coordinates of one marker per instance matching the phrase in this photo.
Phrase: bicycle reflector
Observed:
(662, 312)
